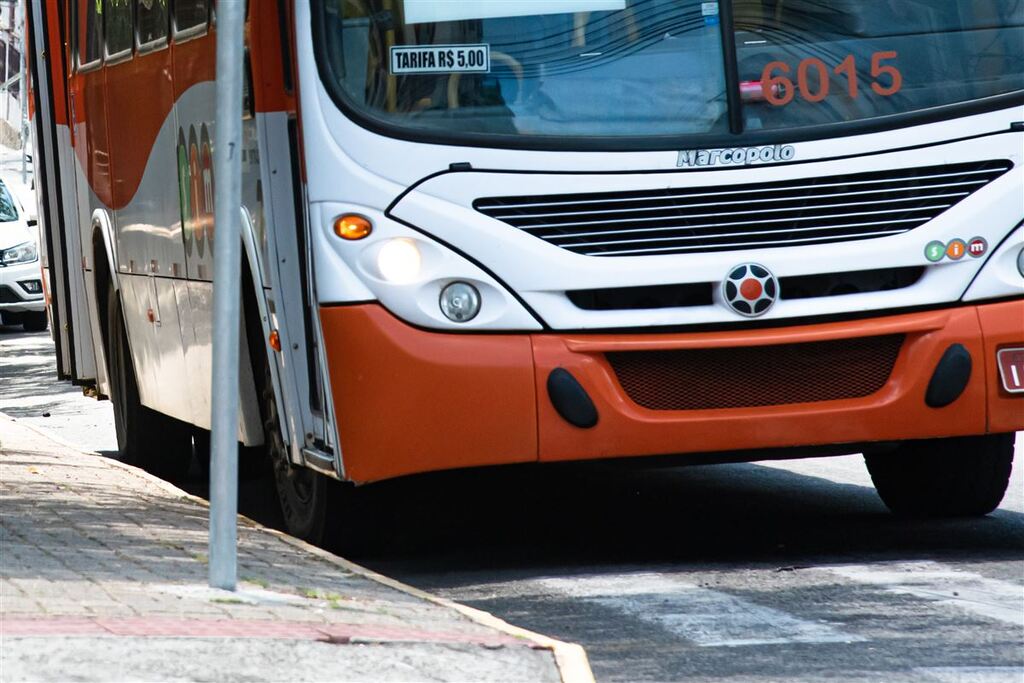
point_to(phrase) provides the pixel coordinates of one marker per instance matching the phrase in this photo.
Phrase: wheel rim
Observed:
(299, 481)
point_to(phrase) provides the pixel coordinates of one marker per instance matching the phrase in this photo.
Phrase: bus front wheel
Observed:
(954, 477)
(305, 496)
(315, 508)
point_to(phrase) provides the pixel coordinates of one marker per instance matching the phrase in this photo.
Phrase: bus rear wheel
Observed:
(155, 442)
(954, 477)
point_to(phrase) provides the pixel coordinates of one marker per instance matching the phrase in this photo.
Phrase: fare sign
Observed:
(1011, 369)
(440, 59)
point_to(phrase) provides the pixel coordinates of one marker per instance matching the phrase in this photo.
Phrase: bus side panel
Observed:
(194, 103)
(147, 217)
(88, 344)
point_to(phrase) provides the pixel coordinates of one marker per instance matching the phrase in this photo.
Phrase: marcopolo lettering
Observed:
(743, 156)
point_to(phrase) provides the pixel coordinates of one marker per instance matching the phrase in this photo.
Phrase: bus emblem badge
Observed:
(750, 290)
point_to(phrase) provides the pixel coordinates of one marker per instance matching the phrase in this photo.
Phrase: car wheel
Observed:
(34, 321)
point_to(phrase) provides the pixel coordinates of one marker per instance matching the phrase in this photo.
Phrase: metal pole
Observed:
(227, 277)
(23, 93)
(7, 75)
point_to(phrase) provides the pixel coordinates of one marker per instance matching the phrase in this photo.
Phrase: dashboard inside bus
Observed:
(629, 68)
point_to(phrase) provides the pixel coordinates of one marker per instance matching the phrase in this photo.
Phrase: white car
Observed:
(22, 301)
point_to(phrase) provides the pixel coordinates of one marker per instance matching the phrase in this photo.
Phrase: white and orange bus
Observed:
(504, 231)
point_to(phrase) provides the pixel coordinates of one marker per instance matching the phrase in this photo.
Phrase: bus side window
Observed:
(190, 16)
(88, 33)
(118, 27)
(152, 18)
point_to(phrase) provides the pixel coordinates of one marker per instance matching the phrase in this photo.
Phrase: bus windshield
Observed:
(641, 68)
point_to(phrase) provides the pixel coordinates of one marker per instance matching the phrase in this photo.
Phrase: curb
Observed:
(570, 658)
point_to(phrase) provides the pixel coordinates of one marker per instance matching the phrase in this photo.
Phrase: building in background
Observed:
(11, 66)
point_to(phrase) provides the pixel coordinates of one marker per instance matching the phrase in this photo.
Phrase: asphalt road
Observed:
(763, 572)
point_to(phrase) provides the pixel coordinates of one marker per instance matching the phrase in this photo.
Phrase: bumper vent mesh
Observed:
(763, 215)
(757, 376)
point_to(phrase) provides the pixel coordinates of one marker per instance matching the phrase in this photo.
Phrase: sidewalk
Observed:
(103, 577)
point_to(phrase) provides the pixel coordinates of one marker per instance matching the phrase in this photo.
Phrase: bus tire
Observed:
(314, 507)
(303, 494)
(153, 441)
(251, 460)
(34, 321)
(954, 477)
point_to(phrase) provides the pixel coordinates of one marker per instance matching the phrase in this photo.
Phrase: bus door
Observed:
(56, 179)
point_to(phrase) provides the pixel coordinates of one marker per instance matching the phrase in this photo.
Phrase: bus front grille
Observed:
(755, 216)
(757, 376)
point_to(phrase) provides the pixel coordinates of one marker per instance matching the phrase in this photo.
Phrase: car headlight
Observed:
(26, 252)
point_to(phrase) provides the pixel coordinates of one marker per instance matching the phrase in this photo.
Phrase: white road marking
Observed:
(24, 361)
(965, 674)
(980, 595)
(706, 617)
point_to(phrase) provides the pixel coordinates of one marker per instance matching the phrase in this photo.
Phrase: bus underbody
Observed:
(472, 267)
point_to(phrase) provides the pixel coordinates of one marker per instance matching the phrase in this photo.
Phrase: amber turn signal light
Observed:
(352, 227)
(275, 341)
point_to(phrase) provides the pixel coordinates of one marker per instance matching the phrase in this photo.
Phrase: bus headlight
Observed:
(416, 278)
(1001, 275)
(460, 302)
(399, 261)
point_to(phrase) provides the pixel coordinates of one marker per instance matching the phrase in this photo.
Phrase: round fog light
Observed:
(460, 302)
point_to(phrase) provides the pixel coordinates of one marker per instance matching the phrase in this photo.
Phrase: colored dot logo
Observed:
(935, 251)
(977, 247)
(956, 250)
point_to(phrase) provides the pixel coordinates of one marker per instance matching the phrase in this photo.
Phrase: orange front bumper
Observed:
(410, 401)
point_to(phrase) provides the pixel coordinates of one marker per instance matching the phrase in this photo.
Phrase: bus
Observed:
(494, 232)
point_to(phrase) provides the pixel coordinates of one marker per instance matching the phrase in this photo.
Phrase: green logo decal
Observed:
(935, 251)
(184, 193)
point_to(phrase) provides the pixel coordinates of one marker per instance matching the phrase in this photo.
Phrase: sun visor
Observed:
(424, 11)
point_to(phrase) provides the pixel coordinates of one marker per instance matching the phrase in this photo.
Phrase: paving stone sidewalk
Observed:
(103, 575)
